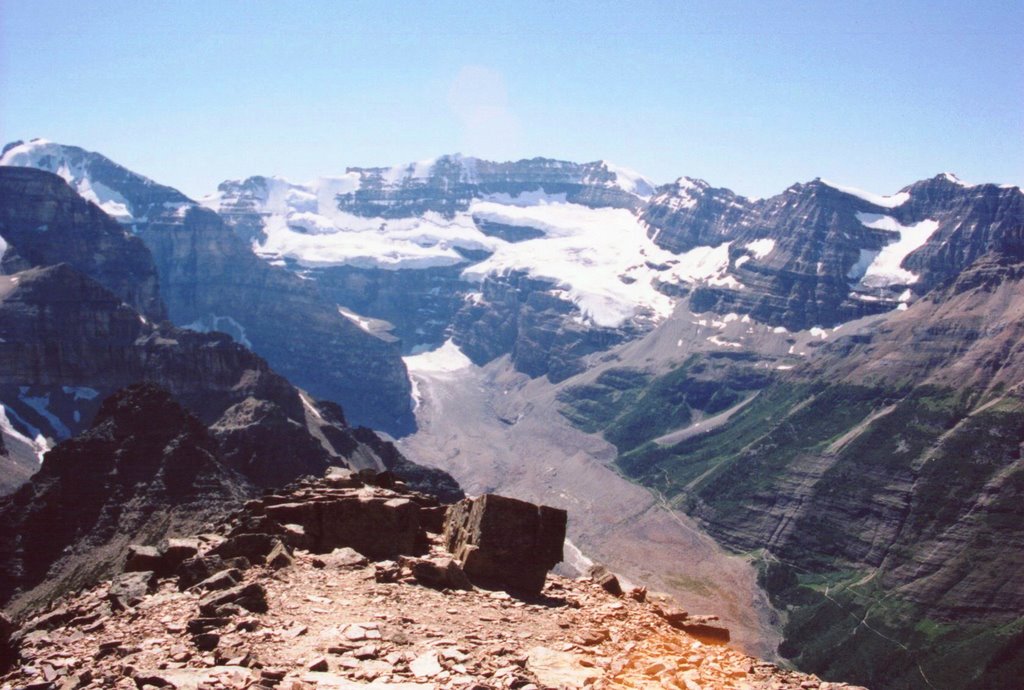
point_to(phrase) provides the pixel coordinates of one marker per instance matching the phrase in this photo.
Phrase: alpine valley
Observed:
(804, 413)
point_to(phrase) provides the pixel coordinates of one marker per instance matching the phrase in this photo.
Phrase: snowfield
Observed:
(599, 258)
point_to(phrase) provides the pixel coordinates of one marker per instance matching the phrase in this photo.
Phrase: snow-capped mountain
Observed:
(455, 247)
(210, 280)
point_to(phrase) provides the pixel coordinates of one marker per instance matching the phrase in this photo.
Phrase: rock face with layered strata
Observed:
(210, 280)
(63, 332)
(44, 222)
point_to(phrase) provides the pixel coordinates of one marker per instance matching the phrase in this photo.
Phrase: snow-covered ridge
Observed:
(878, 200)
(76, 167)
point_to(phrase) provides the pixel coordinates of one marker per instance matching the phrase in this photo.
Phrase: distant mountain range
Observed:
(828, 380)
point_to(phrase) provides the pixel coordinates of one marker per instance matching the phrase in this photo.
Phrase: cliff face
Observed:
(210, 280)
(68, 343)
(44, 222)
(447, 185)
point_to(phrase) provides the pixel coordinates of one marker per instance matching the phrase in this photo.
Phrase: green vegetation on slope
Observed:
(631, 408)
(893, 508)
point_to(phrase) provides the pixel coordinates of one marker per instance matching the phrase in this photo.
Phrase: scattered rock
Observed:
(605, 578)
(129, 589)
(252, 597)
(559, 669)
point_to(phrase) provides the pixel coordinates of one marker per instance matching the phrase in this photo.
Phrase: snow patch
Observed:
(705, 265)
(39, 444)
(360, 321)
(630, 180)
(41, 404)
(884, 268)
(308, 404)
(222, 324)
(81, 392)
(760, 248)
(599, 258)
(532, 198)
(950, 177)
(444, 360)
(715, 340)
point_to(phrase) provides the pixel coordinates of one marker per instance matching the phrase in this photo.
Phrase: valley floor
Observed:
(498, 431)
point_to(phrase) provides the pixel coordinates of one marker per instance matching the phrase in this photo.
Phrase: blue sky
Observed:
(749, 95)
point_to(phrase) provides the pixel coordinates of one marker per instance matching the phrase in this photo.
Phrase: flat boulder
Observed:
(376, 526)
(505, 543)
(437, 572)
(143, 558)
(252, 597)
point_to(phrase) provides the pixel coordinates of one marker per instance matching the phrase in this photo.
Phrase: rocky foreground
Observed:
(261, 603)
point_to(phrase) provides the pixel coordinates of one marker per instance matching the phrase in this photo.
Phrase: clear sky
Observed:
(749, 95)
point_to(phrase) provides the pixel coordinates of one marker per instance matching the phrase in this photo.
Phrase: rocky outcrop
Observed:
(446, 185)
(691, 213)
(974, 220)
(146, 468)
(44, 222)
(318, 623)
(505, 543)
(816, 240)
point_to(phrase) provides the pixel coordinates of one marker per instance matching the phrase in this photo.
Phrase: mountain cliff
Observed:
(879, 486)
(210, 280)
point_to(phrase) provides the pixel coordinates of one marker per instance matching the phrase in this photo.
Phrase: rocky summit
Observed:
(257, 603)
